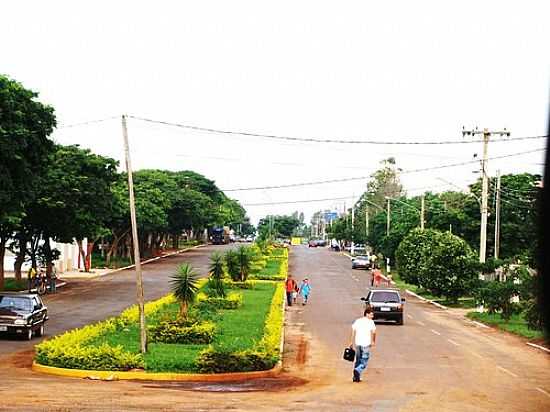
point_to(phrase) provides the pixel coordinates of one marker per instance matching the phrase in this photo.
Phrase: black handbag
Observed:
(349, 354)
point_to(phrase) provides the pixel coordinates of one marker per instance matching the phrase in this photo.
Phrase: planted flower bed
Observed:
(243, 328)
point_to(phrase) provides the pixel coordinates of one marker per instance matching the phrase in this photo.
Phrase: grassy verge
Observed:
(516, 325)
(465, 302)
(236, 330)
(13, 285)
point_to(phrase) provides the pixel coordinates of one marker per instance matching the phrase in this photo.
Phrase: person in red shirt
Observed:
(290, 286)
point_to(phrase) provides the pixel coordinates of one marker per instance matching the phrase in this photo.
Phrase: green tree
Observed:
(244, 260)
(184, 287)
(216, 274)
(25, 125)
(232, 264)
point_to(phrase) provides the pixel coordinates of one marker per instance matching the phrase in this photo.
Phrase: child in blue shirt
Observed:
(305, 289)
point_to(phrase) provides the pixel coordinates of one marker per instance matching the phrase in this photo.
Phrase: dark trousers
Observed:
(289, 298)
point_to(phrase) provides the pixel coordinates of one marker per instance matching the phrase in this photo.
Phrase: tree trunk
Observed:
(88, 261)
(183, 310)
(2, 254)
(175, 241)
(81, 252)
(114, 246)
(20, 259)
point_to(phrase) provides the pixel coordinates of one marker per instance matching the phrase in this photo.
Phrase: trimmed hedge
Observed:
(232, 301)
(247, 284)
(182, 332)
(262, 357)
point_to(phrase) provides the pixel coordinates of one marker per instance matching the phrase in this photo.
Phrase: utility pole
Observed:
(388, 219)
(485, 183)
(367, 220)
(422, 214)
(497, 217)
(137, 259)
(352, 250)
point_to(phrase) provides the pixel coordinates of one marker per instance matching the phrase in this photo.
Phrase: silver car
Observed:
(360, 262)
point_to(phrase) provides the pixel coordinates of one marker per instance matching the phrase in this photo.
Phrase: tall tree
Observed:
(25, 125)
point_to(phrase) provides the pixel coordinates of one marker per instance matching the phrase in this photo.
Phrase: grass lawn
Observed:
(272, 268)
(516, 324)
(236, 329)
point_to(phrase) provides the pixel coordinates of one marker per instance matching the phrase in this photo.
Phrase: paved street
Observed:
(436, 361)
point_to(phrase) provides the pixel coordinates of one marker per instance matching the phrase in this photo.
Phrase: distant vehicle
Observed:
(360, 262)
(22, 314)
(249, 238)
(387, 304)
(312, 243)
(321, 242)
(220, 235)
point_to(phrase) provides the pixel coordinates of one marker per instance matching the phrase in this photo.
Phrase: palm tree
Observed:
(216, 273)
(245, 262)
(232, 264)
(184, 287)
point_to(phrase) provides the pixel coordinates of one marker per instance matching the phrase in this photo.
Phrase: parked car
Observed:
(312, 243)
(360, 262)
(22, 314)
(387, 304)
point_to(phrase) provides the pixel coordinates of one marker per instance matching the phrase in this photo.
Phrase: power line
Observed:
(349, 179)
(66, 126)
(317, 140)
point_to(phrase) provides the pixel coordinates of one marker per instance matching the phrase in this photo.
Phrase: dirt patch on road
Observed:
(20, 360)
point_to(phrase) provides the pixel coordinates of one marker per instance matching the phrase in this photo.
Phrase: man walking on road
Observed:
(363, 335)
(290, 287)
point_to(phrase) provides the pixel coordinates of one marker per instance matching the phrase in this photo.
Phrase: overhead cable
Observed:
(318, 140)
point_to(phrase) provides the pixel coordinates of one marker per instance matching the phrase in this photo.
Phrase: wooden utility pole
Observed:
(497, 217)
(485, 184)
(137, 259)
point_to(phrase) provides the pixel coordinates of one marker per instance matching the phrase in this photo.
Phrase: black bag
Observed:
(349, 354)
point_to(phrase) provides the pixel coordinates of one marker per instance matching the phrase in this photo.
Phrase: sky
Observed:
(348, 70)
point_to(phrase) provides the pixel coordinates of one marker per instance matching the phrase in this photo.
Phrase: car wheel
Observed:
(28, 336)
(40, 331)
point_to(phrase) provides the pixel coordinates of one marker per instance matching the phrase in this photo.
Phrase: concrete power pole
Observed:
(484, 185)
(422, 214)
(137, 258)
(497, 217)
(352, 250)
(367, 220)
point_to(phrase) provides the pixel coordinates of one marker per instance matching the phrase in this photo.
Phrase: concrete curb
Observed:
(149, 376)
(538, 347)
(439, 305)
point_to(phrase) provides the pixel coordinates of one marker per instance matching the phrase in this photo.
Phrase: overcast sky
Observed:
(351, 70)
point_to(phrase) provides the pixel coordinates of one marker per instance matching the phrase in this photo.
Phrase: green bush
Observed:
(103, 357)
(220, 360)
(247, 284)
(232, 301)
(495, 296)
(443, 263)
(178, 331)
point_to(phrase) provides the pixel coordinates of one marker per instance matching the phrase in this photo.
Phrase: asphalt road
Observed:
(437, 361)
(91, 300)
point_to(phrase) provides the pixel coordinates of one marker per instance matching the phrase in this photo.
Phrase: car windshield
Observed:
(362, 257)
(15, 303)
(386, 297)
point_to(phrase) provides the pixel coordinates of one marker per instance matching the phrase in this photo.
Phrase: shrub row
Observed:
(262, 357)
(247, 284)
(69, 351)
(176, 331)
(232, 301)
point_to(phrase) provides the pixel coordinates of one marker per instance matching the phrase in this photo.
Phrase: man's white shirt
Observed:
(363, 328)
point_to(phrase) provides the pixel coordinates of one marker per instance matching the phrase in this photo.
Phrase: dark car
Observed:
(387, 304)
(22, 314)
(360, 262)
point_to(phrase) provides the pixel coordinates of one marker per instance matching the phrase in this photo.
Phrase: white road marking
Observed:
(436, 332)
(543, 391)
(453, 342)
(420, 323)
(357, 280)
(409, 316)
(507, 371)
(477, 355)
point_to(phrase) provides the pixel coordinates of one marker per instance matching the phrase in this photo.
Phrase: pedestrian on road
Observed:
(290, 286)
(363, 335)
(31, 275)
(305, 290)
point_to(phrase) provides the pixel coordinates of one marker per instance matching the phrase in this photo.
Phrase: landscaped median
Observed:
(220, 339)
